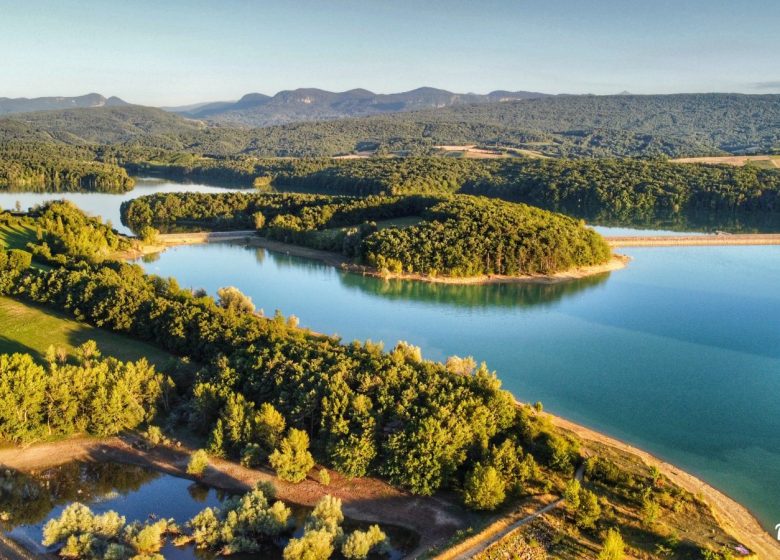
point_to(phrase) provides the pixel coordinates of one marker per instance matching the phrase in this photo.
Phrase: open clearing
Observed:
(31, 329)
(15, 236)
(765, 161)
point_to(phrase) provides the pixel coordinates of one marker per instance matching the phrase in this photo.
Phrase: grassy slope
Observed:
(15, 236)
(31, 329)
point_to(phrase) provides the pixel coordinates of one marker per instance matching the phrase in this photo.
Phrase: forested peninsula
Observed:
(450, 236)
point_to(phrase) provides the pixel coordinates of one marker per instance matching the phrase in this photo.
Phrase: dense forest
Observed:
(50, 168)
(560, 126)
(90, 395)
(621, 191)
(454, 236)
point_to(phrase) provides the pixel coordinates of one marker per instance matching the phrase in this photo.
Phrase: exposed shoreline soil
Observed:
(334, 259)
(733, 517)
(695, 240)
(434, 519)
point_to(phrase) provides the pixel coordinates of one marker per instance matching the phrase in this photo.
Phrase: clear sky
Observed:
(167, 52)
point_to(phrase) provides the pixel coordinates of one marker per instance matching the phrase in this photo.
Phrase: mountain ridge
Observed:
(314, 104)
(12, 105)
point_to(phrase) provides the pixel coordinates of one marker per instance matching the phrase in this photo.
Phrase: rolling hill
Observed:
(562, 126)
(24, 105)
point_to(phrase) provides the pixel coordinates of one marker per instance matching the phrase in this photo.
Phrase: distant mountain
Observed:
(24, 105)
(310, 104)
(101, 125)
(557, 126)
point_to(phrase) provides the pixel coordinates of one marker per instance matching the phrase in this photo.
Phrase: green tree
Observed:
(313, 545)
(22, 395)
(292, 460)
(484, 488)
(571, 494)
(232, 299)
(589, 511)
(613, 547)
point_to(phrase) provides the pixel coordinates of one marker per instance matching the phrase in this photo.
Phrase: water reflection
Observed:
(28, 501)
(518, 294)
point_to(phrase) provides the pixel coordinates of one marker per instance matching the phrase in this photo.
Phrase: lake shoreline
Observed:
(247, 237)
(732, 516)
(414, 514)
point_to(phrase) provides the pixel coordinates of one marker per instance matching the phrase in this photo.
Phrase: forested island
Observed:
(266, 392)
(451, 236)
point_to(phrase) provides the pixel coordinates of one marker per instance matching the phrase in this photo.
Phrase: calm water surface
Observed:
(678, 354)
(135, 493)
(103, 204)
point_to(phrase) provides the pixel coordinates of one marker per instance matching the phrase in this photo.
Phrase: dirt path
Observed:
(733, 517)
(500, 529)
(695, 240)
(434, 519)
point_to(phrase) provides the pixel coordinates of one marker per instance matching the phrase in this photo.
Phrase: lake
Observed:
(678, 354)
(106, 205)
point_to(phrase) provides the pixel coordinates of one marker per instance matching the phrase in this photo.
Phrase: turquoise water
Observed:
(678, 354)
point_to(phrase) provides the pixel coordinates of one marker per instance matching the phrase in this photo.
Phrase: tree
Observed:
(22, 394)
(589, 510)
(232, 299)
(484, 488)
(571, 494)
(198, 463)
(292, 460)
(650, 511)
(359, 544)
(313, 545)
(269, 426)
(613, 547)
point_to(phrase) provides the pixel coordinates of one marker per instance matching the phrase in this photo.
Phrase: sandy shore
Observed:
(733, 517)
(435, 519)
(695, 240)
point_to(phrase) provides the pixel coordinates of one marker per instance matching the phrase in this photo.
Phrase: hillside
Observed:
(565, 126)
(311, 104)
(24, 105)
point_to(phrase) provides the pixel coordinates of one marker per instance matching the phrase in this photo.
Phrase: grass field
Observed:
(16, 236)
(31, 329)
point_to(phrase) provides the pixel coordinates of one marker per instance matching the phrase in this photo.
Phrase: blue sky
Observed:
(177, 52)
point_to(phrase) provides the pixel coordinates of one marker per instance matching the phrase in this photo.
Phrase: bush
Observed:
(199, 461)
(324, 477)
(613, 547)
(359, 544)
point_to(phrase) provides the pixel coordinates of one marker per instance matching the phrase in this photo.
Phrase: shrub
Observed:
(359, 544)
(199, 461)
(613, 547)
(324, 477)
